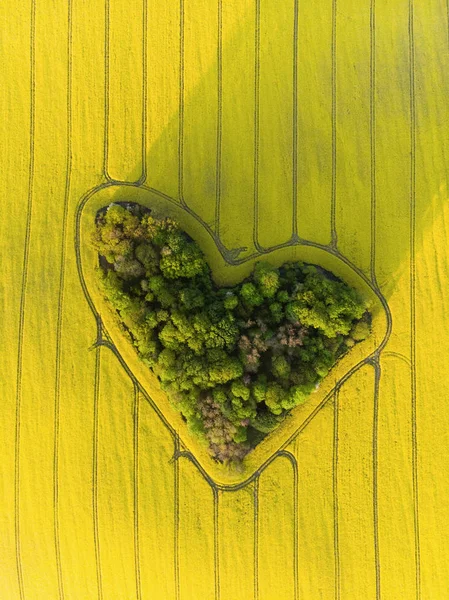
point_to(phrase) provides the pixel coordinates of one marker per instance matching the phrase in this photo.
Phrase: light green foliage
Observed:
(360, 331)
(259, 389)
(251, 295)
(187, 262)
(241, 409)
(232, 360)
(114, 237)
(296, 396)
(230, 302)
(226, 368)
(240, 390)
(274, 397)
(267, 278)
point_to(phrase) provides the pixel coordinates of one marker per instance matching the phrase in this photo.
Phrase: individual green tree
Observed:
(281, 368)
(226, 369)
(360, 331)
(114, 236)
(230, 301)
(187, 262)
(297, 395)
(259, 388)
(274, 397)
(267, 278)
(240, 390)
(251, 295)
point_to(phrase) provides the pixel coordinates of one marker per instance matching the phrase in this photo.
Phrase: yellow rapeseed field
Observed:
(313, 130)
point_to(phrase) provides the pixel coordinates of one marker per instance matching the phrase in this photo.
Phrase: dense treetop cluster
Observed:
(233, 360)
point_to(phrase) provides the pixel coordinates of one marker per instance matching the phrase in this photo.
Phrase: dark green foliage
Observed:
(265, 421)
(235, 360)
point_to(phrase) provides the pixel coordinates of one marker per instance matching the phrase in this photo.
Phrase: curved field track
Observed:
(277, 124)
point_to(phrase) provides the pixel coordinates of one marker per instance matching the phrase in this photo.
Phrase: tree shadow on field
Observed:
(182, 163)
(204, 158)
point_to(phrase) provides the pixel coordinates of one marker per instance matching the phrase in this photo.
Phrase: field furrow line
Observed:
(373, 136)
(376, 363)
(256, 127)
(294, 463)
(136, 409)
(143, 177)
(377, 376)
(219, 117)
(106, 89)
(335, 496)
(176, 515)
(216, 544)
(95, 473)
(256, 537)
(61, 305)
(295, 121)
(413, 296)
(22, 298)
(181, 106)
(334, 237)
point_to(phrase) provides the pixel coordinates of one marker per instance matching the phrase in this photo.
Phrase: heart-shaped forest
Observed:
(233, 360)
